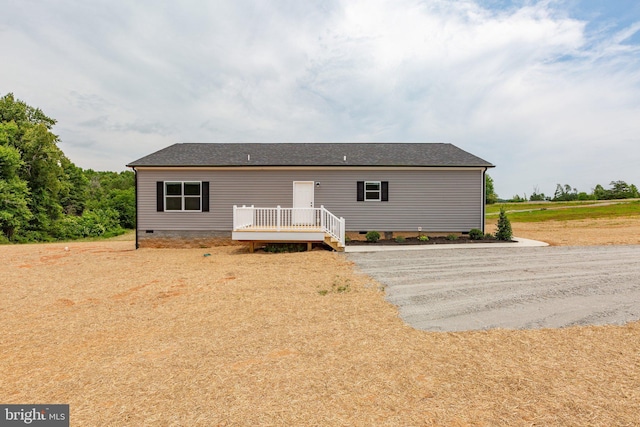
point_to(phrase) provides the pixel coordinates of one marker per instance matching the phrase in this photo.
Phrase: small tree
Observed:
(537, 196)
(489, 193)
(565, 194)
(503, 230)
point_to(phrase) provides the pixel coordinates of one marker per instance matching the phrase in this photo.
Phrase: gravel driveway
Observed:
(517, 288)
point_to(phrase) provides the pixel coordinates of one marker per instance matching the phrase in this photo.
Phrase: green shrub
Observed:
(476, 234)
(28, 236)
(400, 239)
(92, 223)
(124, 203)
(503, 230)
(423, 238)
(452, 237)
(489, 236)
(372, 236)
(66, 228)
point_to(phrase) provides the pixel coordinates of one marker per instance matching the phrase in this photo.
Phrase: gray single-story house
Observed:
(307, 191)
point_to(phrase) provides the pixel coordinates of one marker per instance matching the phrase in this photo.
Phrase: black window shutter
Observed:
(360, 191)
(385, 191)
(160, 196)
(205, 196)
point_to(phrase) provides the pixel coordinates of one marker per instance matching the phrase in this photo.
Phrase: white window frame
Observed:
(182, 196)
(379, 190)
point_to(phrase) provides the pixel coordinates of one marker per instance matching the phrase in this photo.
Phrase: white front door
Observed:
(303, 202)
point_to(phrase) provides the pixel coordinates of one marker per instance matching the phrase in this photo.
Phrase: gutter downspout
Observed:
(135, 172)
(484, 200)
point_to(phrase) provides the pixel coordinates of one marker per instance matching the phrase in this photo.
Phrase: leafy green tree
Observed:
(75, 189)
(43, 195)
(565, 194)
(537, 196)
(113, 190)
(124, 203)
(28, 130)
(559, 194)
(490, 195)
(618, 190)
(599, 192)
(622, 190)
(14, 194)
(503, 227)
(44, 173)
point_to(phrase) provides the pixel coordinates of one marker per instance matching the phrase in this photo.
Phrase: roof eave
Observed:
(134, 165)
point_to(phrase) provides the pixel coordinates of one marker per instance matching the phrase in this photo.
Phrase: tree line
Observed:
(43, 195)
(566, 193)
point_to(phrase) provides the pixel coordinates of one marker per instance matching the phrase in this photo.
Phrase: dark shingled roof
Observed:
(312, 154)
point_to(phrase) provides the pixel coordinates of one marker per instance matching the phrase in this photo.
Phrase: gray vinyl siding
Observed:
(436, 200)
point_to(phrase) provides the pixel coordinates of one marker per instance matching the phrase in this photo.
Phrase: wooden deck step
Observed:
(333, 243)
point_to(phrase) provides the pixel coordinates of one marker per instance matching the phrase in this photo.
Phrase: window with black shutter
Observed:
(360, 196)
(373, 191)
(182, 196)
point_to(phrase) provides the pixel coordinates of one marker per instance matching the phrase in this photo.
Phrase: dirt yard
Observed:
(618, 231)
(217, 336)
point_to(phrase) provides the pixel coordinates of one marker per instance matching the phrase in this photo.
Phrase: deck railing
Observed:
(288, 219)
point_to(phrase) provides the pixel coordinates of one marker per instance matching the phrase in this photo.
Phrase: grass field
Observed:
(172, 337)
(565, 211)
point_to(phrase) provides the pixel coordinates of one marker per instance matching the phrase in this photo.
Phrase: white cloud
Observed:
(526, 87)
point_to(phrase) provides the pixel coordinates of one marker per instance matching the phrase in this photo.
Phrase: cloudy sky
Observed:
(548, 91)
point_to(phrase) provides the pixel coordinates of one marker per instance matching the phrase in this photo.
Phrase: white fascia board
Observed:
(275, 236)
(313, 168)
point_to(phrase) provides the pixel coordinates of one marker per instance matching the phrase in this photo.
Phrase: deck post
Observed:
(235, 209)
(323, 226)
(278, 213)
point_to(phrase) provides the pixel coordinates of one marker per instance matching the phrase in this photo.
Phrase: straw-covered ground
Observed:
(585, 232)
(176, 337)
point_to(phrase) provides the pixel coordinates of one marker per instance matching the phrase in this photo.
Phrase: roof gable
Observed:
(311, 154)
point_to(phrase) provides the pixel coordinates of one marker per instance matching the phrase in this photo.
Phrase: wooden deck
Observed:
(260, 236)
(287, 225)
